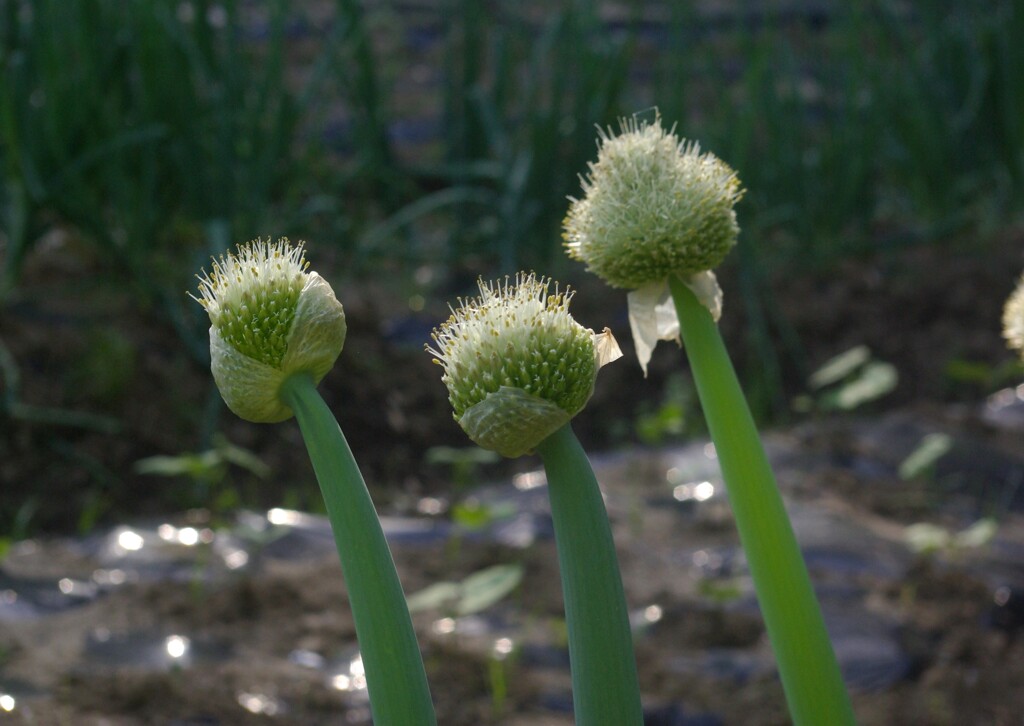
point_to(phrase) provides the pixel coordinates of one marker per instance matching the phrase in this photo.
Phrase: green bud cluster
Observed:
(516, 364)
(270, 319)
(252, 297)
(653, 206)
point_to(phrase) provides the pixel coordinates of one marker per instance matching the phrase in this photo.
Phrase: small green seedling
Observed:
(925, 538)
(849, 380)
(475, 593)
(922, 460)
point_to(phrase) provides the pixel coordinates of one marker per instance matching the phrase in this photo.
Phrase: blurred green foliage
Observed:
(847, 381)
(464, 463)
(141, 124)
(666, 421)
(159, 127)
(430, 142)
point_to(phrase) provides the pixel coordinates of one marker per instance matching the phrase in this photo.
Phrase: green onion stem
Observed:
(807, 664)
(604, 679)
(395, 678)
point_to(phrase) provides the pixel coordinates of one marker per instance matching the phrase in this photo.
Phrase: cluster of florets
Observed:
(653, 206)
(1013, 319)
(518, 345)
(520, 336)
(252, 297)
(269, 319)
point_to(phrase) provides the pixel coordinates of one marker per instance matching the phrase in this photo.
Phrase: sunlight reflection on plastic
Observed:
(76, 588)
(1006, 397)
(130, 541)
(1003, 398)
(7, 702)
(354, 680)
(529, 480)
(306, 658)
(1001, 596)
(177, 646)
(502, 647)
(1005, 408)
(444, 626)
(704, 560)
(701, 491)
(25, 547)
(259, 703)
(709, 451)
(653, 613)
(284, 517)
(236, 559)
(472, 626)
(188, 536)
(430, 505)
(357, 715)
(109, 577)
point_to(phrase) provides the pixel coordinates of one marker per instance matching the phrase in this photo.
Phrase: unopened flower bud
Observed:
(1013, 319)
(270, 319)
(654, 206)
(516, 364)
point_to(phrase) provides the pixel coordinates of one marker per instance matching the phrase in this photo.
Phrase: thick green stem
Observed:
(604, 680)
(399, 695)
(807, 664)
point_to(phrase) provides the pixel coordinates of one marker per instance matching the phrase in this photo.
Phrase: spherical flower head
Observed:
(516, 364)
(654, 206)
(270, 319)
(1013, 319)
